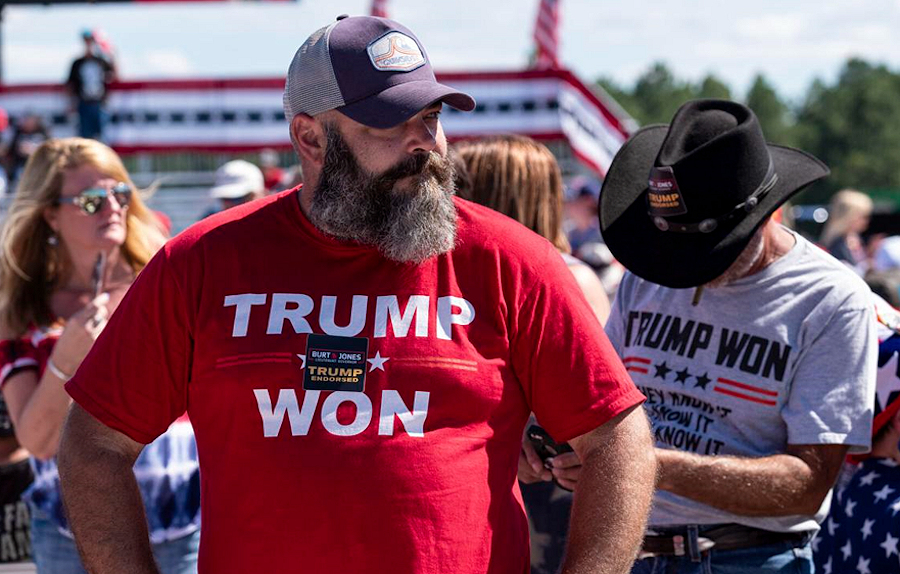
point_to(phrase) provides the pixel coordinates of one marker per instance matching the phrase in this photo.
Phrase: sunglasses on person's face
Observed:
(91, 200)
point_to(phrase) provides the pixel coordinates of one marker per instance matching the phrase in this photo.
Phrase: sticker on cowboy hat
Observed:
(663, 195)
(395, 52)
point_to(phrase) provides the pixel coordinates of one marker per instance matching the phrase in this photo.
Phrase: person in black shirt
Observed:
(88, 81)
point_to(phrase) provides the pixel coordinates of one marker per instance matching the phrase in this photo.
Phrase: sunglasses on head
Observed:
(91, 200)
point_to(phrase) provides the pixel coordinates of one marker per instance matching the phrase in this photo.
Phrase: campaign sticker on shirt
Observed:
(335, 363)
(663, 195)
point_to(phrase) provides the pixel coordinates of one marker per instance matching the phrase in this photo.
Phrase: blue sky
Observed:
(791, 42)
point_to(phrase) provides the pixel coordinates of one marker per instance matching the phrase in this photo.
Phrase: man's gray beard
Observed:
(745, 261)
(405, 225)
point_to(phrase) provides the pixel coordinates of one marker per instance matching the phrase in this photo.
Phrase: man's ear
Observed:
(308, 137)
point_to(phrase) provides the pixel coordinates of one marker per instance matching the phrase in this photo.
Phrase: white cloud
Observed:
(160, 62)
(36, 62)
(771, 27)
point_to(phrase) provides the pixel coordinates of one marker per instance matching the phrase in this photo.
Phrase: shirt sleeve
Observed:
(571, 376)
(615, 325)
(833, 391)
(17, 355)
(135, 378)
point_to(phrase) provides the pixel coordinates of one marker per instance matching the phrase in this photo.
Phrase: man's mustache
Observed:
(412, 166)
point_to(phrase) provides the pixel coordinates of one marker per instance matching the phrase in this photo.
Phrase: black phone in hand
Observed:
(544, 444)
(546, 447)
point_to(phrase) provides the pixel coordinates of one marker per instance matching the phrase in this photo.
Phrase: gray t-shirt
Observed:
(785, 356)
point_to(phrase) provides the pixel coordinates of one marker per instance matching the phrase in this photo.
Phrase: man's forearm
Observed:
(611, 503)
(103, 502)
(776, 485)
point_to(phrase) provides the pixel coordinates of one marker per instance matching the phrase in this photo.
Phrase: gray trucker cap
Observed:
(372, 70)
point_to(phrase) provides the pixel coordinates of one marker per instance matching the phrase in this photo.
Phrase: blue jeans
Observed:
(783, 558)
(55, 553)
(91, 120)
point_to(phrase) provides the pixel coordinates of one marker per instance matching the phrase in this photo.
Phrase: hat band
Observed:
(710, 224)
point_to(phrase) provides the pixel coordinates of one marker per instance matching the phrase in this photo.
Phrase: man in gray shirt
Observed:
(756, 350)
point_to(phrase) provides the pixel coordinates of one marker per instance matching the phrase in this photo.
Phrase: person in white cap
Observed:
(359, 357)
(237, 182)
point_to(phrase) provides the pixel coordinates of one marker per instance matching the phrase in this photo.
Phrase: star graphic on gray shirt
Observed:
(662, 370)
(702, 381)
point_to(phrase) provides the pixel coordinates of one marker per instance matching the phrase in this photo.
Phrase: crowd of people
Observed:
(383, 367)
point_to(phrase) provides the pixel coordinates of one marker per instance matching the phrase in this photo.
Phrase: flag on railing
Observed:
(546, 36)
(379, 8)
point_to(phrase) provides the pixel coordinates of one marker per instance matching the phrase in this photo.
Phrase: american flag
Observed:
(546, 35)
(862, 533)
(379, 8)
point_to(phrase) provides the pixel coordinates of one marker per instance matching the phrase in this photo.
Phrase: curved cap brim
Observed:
(401, 102)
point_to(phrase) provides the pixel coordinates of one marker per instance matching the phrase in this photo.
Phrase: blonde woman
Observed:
(848, 218)
(75, 238)
(519, 177)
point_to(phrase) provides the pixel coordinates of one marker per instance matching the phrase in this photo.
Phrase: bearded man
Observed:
(358, 357)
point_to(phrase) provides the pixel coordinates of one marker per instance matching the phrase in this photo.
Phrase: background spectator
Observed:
(237, 182)
(74, 240)
(88, 83)
(27, 135)
(884, 277)
(273, 174)
(519, 177)
(848, 218)
(861, 533)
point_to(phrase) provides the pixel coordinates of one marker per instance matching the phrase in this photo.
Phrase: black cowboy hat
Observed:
(680, 202)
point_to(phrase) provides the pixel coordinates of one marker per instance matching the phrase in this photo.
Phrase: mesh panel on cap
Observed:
(310, 87)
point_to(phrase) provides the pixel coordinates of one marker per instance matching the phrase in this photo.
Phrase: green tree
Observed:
(853, 127)
(622, 96)
(658, 94)
(713, 87)
(773, 114)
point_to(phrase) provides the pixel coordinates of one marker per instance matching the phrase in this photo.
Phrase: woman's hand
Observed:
(79, 334)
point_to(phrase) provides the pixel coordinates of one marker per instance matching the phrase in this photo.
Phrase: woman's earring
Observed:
(53, 240)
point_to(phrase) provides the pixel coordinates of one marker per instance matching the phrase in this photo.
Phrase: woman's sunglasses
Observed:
(91, 200)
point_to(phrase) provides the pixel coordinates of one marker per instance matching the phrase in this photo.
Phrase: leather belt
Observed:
(725, 537)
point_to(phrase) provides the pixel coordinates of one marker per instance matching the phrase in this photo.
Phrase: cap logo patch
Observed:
(663, 195)
(395, 52)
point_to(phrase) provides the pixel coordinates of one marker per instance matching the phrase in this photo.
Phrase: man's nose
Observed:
(421, 136)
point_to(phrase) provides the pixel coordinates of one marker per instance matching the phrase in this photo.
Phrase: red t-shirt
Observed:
(417, 474)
